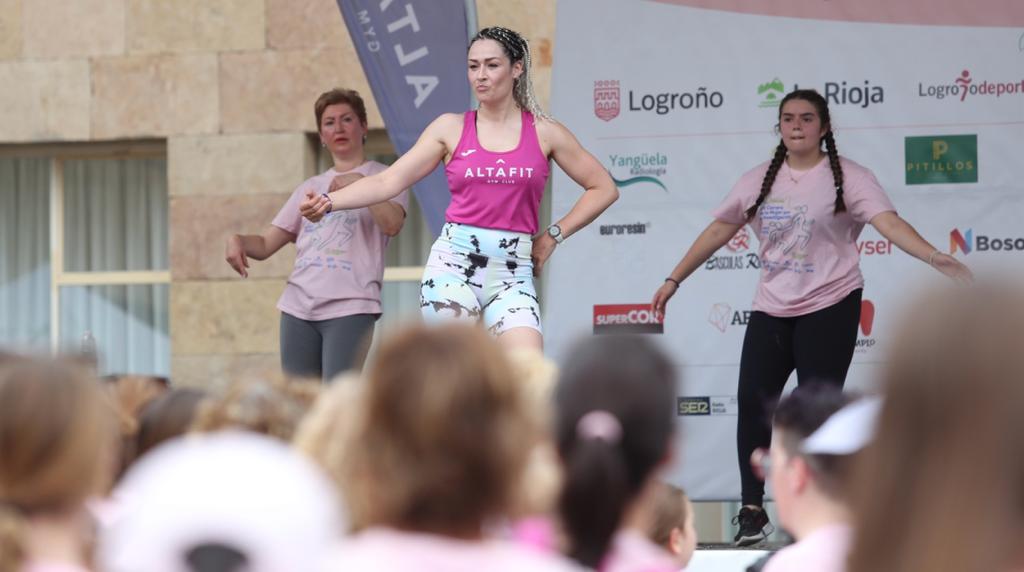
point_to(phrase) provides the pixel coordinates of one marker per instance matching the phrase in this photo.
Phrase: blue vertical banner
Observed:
(414, 56)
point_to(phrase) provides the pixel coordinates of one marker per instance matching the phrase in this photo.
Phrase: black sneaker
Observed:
(754, 526)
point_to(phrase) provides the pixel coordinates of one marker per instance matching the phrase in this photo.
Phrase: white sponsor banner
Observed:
(677, 102)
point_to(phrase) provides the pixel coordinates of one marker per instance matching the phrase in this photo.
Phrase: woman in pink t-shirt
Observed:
(807, 207)
(482, 266)
(332, 298)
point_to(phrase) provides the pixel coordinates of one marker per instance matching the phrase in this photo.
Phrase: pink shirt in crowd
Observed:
(497, 190)
(824, 550)
(809, 257)
(52, 567)
(388, 550)
(339, 261)
(631, 551)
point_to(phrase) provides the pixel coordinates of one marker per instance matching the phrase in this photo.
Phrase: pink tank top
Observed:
(497, 190)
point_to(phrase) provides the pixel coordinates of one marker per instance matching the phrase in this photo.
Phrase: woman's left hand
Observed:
(543, 246)
(953, 268)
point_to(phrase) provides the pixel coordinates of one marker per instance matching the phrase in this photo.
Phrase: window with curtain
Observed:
(85, 256)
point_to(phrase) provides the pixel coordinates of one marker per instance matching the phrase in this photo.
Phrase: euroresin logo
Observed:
(940, 159)
(627, 319)
(965, 84)
(637, 168)
(967, 242)
(619, 229)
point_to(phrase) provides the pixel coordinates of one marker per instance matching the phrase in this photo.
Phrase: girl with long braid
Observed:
(807, 206)
(496, 158)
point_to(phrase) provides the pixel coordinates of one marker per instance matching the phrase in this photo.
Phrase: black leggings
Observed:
(818, 345)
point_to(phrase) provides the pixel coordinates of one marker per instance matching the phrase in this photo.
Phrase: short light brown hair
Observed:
(440, 445)
(337, 95)
(58, 432)
(668, 512)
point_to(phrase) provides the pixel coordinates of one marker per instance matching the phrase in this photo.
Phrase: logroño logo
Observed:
(627, 319)
(606, 99)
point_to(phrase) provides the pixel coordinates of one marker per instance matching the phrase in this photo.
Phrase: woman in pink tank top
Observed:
(496, 158)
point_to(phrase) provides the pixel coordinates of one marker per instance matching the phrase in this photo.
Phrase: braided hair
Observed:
(821, 106)
(517, 50)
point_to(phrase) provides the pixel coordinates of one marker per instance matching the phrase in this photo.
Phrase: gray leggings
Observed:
(324, 348)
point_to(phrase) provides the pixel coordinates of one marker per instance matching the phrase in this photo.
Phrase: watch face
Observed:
(553, 230)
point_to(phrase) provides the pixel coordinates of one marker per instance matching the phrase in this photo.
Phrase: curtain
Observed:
(24, 253)
(115, 219)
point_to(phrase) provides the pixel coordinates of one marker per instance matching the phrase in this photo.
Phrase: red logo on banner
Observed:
(867, 317)
(627, 319)
(740, 240)
(606, 99)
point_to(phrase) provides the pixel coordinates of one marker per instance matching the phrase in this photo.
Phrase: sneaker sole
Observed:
(762, 536)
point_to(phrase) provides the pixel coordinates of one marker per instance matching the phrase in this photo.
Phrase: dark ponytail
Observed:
(614, 406)
(821, 106)
(596, 491)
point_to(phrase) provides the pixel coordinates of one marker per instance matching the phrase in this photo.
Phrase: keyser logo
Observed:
(966, 242)
(941, 159)
(874, 247)
(965, 85)
(627, 319)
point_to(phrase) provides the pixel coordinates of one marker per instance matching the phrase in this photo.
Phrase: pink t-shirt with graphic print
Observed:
(339, 261)
(497, 190)
(809, 257)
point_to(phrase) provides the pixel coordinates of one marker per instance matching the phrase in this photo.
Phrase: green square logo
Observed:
(942, 159)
